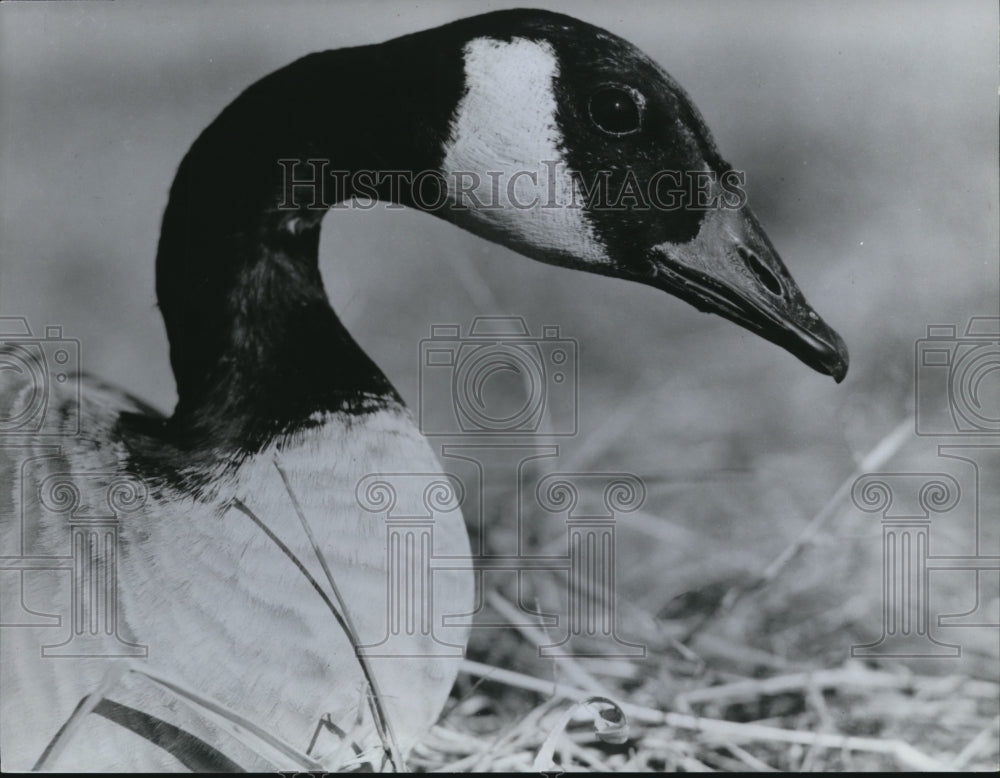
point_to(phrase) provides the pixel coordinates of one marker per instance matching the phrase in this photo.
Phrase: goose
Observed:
(239, 537)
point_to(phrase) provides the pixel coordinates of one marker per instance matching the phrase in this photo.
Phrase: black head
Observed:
(532, 129)
(571, 146)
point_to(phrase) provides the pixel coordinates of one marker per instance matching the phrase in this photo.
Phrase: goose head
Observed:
(532, 129)
(574, 148)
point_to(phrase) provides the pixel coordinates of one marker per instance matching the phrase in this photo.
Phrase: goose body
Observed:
(249, 490)
(218, 582)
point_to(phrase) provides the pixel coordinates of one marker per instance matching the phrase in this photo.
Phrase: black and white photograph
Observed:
(360, 412)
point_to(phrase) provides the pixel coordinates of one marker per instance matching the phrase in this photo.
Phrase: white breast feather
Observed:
(221, 607)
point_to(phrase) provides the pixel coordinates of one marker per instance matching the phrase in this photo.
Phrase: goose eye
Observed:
(616, 110)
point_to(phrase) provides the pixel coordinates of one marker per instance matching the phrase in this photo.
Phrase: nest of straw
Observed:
(734, 678)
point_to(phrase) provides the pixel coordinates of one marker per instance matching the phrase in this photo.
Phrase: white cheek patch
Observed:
(502, 161)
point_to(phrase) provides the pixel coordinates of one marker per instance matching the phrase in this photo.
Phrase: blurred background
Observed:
(868, 132)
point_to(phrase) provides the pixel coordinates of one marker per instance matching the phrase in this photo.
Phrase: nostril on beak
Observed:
(760, 270)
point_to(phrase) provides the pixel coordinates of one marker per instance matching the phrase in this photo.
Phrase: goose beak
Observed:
(731, 268)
